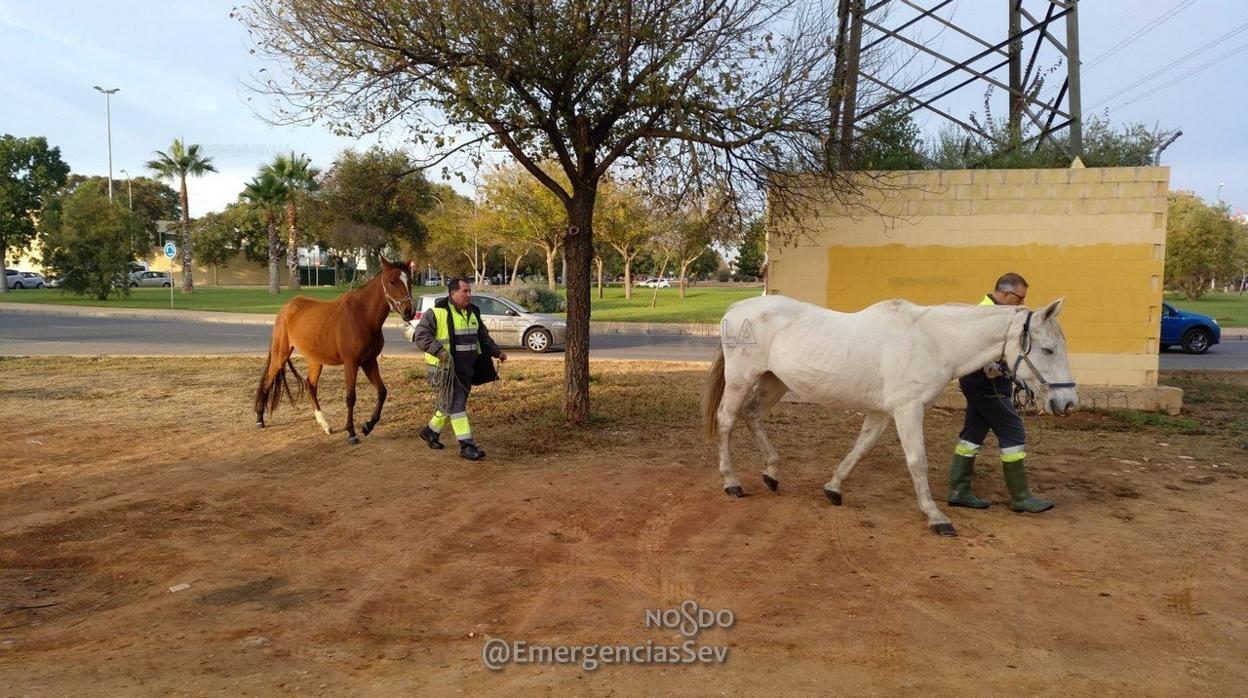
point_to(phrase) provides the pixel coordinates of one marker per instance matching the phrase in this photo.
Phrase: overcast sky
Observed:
(181, 67)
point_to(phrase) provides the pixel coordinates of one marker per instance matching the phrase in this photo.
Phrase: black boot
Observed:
(469, 450)
(431, 437)
(961, 471)
(1021, 499)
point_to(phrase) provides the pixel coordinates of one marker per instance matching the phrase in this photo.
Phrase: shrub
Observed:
(536, 297)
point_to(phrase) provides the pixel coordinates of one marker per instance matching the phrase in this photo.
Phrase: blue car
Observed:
(1192, 331)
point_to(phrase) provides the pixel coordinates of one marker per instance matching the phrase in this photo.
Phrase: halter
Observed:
(395, 304)
(1028, 396)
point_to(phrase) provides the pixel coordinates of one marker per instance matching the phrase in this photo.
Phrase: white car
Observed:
(510, 325)
(655, 283)
(150, 278)
(24, 279)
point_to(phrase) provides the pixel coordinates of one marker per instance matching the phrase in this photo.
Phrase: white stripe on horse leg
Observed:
(320, 419)
(872, 428)
(909, 421)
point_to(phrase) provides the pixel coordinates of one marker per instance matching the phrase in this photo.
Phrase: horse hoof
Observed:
(944, 529)
(834, 497)
(366, 428)
(772, 483)
(735, 491)
(353, 440)
(259, 425)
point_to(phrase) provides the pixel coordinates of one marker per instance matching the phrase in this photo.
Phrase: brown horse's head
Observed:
(396, 283)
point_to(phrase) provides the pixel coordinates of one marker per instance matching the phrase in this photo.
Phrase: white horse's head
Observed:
(1042, 363)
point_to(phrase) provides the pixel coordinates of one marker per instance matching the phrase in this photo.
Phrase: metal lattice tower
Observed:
(1016, 48)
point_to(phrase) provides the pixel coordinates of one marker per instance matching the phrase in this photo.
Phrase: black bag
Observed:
(483, 370)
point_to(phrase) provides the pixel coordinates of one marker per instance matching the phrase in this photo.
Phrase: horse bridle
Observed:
(395, 304)
(1024, 351)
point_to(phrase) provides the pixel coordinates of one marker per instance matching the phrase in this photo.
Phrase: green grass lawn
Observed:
(702, 304)
(1229, 309)
(230, 300)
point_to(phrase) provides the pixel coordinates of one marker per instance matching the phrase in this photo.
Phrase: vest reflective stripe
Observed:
(465, 324)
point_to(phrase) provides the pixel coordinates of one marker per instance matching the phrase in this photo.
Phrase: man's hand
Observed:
(409, 331)
(502, 356)
(993, 371)
(443, 356)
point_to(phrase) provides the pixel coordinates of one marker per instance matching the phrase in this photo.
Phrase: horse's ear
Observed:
(1052, 309)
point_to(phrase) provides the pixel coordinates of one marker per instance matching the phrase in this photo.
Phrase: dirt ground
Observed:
(319, 568)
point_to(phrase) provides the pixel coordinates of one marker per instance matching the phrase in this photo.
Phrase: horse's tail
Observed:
(712, 394)
(273, 393)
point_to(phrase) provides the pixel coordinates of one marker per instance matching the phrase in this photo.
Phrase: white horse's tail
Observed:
(712, 394)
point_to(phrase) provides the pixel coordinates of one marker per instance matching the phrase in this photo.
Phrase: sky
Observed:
(182, 69)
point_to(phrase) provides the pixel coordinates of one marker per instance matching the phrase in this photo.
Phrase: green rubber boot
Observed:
(960, 472)
(1020, 497)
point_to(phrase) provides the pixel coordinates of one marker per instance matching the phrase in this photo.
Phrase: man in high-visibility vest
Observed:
(452, 331)
(990, 405)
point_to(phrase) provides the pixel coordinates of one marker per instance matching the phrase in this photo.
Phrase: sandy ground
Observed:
(318, 568)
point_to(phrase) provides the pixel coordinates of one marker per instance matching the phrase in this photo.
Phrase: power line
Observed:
(1138, 33)
(1171, 64)
(1188, 74)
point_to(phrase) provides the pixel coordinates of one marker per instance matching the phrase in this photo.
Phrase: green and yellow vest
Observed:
(466, 329)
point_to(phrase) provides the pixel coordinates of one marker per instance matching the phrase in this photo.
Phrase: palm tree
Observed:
(179, 162)
(298, 175)
(269, 193)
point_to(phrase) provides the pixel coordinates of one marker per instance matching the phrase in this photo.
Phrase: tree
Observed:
(653, 85)
(626, 223)
(373, 200)
(298, 174)
(890, 140)
(151, 200)
(528, 212)
(753, 250)
(30, 174)
(268, 194)
(1203, 243)
(178, 164)
(217, 238)
(89, 242)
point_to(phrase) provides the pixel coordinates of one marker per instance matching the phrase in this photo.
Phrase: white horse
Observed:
(891, 360)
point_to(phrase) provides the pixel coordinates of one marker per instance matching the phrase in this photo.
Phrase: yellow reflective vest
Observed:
(466, 329)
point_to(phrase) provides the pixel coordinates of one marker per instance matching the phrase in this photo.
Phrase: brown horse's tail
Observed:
(711, 396)
(273, 392)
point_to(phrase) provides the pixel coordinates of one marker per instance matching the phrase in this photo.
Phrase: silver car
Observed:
(159, 279)
(510, 324)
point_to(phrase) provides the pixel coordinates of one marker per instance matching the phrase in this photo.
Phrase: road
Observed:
(35, 335)
(63, 335)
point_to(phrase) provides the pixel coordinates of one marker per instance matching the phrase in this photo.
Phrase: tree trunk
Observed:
(188, 282)
(4, 254)
(654, 299)
(598, 263)
(578, 249)
(550, 267)
(274, 284)
(628, 277)
(684, 271)
(515, 270)
(292, 245)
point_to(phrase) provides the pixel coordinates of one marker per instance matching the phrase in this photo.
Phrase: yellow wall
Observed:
(240, 271)
(1095, 236)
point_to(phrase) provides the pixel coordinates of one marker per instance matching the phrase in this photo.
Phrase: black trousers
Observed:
(996, 413)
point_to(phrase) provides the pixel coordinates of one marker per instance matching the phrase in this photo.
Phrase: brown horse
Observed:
(345, 331)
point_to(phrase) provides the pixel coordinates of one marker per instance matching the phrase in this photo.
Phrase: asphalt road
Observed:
(43, 335)
(63, 335)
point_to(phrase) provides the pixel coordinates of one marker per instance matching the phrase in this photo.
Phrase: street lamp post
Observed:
(129, 190)
(108, 108)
